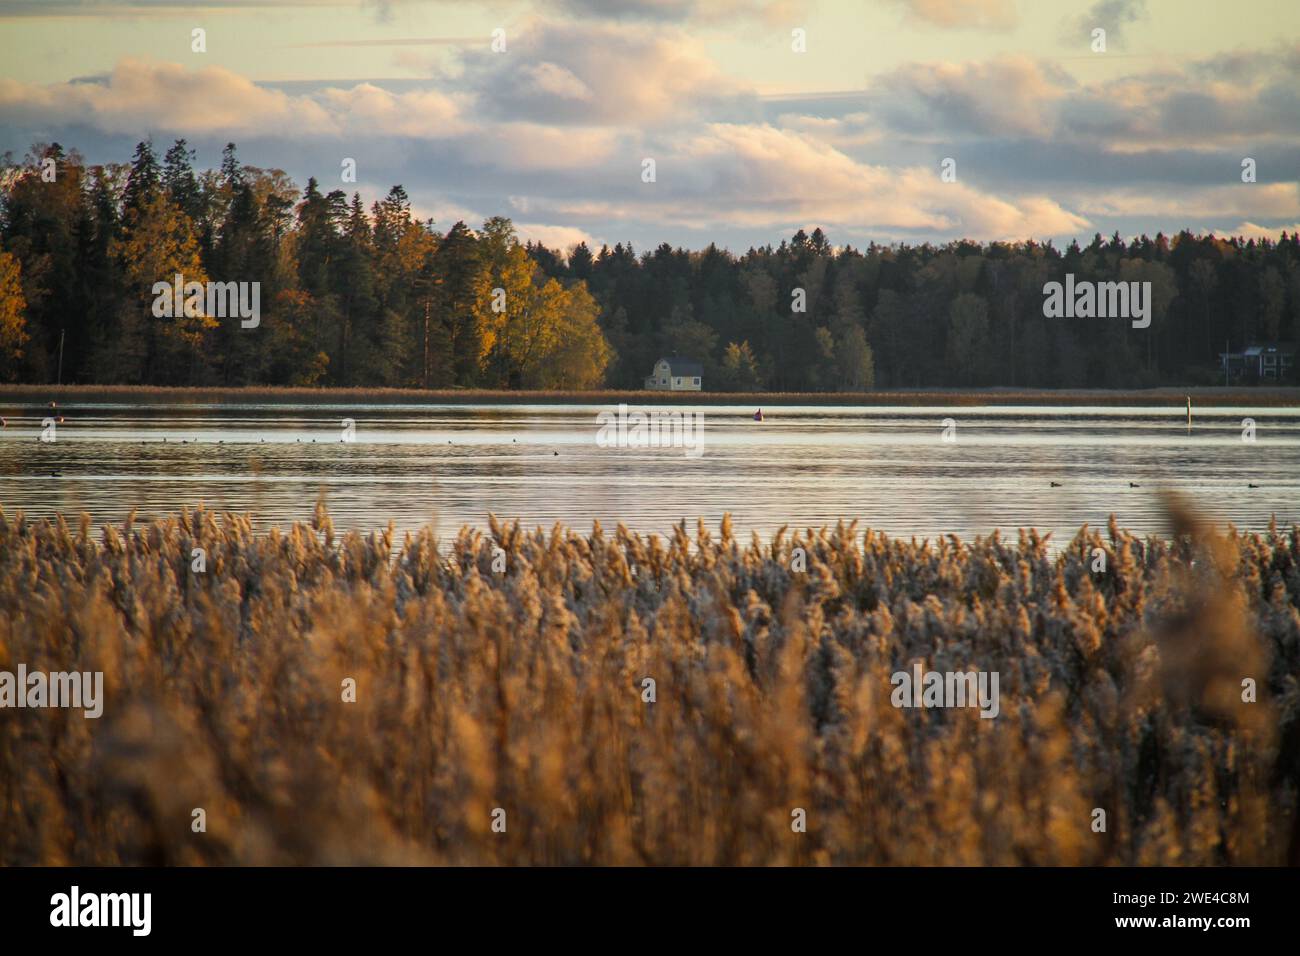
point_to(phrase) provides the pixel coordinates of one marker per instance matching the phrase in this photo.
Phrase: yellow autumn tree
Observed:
(532, 331)
(508, 301)
(553, 340)
(159, 245)
(577, 353)
(13, 316)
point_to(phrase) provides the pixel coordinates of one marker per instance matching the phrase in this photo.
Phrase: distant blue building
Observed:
(1259, 363)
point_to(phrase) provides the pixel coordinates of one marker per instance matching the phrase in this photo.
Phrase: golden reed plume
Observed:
(535, 698)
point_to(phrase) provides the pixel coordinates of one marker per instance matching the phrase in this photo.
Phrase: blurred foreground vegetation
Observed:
(524, 690)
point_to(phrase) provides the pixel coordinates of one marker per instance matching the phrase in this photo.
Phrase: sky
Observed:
(761, 116)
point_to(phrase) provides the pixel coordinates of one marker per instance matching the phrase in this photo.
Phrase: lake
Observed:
(449, 465)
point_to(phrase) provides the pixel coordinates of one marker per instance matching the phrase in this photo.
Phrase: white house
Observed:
(1259, 362)
(675, 375)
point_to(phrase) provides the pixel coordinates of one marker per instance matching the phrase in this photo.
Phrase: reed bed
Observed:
(523, 689)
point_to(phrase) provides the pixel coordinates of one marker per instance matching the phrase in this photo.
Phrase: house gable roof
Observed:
(682, 366)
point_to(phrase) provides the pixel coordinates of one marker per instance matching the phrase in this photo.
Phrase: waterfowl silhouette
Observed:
(758, 415)
(1055, 484)
(1249, 485)
(1132, 485)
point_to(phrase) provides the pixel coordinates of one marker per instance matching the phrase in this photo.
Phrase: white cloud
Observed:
(444, 213)
(531, 147)
(595, 74)
(556, 132)
(1012, 95)
(555, 80)
(758, 176)
(1005, 96)
(368, 109)
(142, 96)
(1250, 200)
(956, 14)
(563, 238)
(1248, 230)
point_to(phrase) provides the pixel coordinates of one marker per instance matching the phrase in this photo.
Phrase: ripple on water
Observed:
(802, 467)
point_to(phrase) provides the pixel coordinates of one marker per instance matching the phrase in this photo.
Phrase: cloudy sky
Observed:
(752, 138)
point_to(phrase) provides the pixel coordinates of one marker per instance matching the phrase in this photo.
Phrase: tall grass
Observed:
(522, 690)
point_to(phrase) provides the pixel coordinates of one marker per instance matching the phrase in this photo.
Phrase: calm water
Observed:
(450, 465)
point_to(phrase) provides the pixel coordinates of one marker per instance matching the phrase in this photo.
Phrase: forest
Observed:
(377, 297)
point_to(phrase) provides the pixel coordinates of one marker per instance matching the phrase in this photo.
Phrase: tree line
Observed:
(348, 296)
(376, 297)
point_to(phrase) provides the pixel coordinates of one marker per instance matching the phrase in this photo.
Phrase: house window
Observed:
(697, 380)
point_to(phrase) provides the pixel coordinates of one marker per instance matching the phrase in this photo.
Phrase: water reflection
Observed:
(809, 466)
